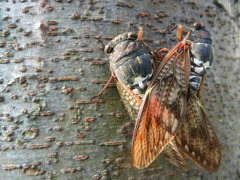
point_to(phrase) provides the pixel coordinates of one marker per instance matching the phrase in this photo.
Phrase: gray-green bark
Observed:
(52, 63)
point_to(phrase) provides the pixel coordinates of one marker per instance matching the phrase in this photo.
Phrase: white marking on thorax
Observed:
(207, 65)
(199, 70)
(139, 80)
(197, 62)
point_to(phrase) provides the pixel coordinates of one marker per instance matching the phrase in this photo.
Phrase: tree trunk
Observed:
(52, 62)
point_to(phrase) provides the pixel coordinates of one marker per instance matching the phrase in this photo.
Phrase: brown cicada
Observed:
(170, 118)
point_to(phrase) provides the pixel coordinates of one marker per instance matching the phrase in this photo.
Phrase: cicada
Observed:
(170, 118)
(132, 65)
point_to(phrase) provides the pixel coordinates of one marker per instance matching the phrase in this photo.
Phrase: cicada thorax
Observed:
(202, 55)
(130, 61)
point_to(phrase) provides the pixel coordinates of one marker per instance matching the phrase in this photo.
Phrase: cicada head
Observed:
(122, 37)
(200, 34)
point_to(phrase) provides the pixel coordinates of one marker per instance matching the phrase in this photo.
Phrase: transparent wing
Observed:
(197, 138)
(132, 102)
(163, 106)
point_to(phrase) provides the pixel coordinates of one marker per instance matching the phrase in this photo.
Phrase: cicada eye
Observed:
(198, 25)
(132, 36)
(108, 49)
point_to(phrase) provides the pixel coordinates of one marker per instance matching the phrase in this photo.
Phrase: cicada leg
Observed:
(180, 32)
(158, 57)
(200, 88)
(161, 53)
(105, 87)
(140, 34)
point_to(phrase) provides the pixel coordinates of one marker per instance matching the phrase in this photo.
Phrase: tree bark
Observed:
(52, 62)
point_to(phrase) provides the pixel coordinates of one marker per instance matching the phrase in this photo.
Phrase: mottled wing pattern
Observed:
(162, 108)
(172, 154)
(132, 102)
(197, 138)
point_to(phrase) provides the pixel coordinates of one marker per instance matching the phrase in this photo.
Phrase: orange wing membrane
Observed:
(132, 102)
(163, 107)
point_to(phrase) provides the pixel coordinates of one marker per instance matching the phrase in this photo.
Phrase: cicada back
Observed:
(130, 61)
(202, 55)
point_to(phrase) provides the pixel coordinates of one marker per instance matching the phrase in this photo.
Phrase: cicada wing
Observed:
(153, 131)
(197, 138)
(163, 107)
(173, 155)
(132, 103)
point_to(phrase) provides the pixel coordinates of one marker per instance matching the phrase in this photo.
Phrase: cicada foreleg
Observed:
(200, 88)
(140, 34)
(180, 32)
(158, 57)
(112, 78)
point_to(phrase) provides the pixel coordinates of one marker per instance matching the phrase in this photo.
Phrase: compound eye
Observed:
(198, 25)
(132, 36)
(108, 49)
